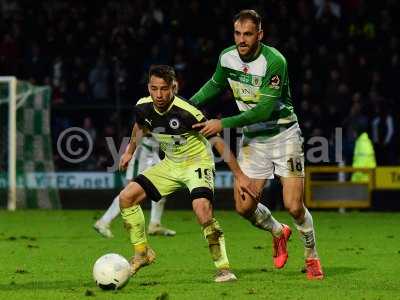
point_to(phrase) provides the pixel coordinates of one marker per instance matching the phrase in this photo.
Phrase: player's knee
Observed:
(124, 199)
(244, 207)
(203, 210)
(244, 210)
(127, 198)
(296, 211)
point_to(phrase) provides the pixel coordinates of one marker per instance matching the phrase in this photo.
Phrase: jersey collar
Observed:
(167, 110)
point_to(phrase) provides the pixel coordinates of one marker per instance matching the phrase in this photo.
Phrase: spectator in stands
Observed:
(383, 135)
(57, 71)
(364, 154)
(36, 65)
(351, 127)
(81, 95)
(8, 55)
(99, 78)
(327, 8)
(89, 128)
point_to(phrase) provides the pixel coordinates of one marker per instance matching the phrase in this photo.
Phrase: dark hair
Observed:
(163, 71)
(248, 14)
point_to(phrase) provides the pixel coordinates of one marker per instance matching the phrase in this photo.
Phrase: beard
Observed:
(250, 53)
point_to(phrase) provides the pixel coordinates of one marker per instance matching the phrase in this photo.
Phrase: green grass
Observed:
(50, 254)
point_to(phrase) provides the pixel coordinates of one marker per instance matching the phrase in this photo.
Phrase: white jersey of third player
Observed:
(145, 156)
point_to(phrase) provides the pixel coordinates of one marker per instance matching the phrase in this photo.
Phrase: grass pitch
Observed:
(50, 254)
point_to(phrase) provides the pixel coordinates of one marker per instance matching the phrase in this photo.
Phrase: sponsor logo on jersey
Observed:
(256, 80)
(179, 140)
(244, 92)
(275, 82)
(245, 78)
(170, 143)
(245, 68)
(174, 123)
(148, 121)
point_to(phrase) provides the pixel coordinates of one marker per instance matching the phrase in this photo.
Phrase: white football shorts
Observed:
(281, 154)
(145, 156)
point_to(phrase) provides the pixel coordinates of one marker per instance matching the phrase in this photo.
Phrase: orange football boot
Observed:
(314, 269)
(279, 247)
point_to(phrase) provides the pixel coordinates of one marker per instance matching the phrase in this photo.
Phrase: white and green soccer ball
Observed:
(111, 271)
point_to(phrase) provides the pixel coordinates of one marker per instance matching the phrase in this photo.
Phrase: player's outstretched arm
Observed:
(260, 112)
(136, 136)
(209, 91)
(244, 182)
(212, 88)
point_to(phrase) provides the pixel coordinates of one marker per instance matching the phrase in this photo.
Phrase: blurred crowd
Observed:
(343, 59)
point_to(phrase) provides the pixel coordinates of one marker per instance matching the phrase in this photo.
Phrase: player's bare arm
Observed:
(136, 136)
(245, 185)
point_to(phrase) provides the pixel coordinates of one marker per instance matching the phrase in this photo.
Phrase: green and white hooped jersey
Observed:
(145, 156)
(262, 79)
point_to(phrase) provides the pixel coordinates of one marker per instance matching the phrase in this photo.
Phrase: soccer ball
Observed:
(111, 271)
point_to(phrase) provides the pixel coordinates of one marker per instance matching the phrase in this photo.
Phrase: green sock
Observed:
(216, 244)
(135, 224)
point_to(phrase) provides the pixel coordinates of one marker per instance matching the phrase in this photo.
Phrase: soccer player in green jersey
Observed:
(272, 141)
(188, 163)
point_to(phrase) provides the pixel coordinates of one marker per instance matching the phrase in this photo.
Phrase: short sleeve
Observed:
(139, 115)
